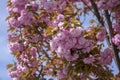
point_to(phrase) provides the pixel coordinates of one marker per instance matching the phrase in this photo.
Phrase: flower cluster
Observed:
(23, 10)
(18, 5)
(105, 4)
(71, 44)
(116, 40)
(89, 59)
(15, 47)
(67, 44)
(106, 57)
(62, 73)
(116, 27)
(29, 65)
(69, 50)
(112, 5)
(65, 41)
(101, 35)
(22, 14)
(51, 6)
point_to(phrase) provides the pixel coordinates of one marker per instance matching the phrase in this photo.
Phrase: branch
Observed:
(94, 6)
(110, 31)
(97, 14)
(115, 50)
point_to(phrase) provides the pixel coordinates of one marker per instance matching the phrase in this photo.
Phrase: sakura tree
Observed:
(63, 39)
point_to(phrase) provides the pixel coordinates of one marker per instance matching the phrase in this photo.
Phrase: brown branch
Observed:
(110, 31)
(115, 50)
(97, 14)
(94, 6)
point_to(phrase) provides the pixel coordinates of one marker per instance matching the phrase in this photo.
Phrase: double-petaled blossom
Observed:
(15, 47)
(13, 37)
(51, 6)
(26, 18)
(76, 32)
(116, 28)
(63, 73)
(59, 19)
(89, 59)
(105, 4)
(71, 44)
(62, 43)
(116, 40)
(13, 74)
(19, 5)
(32, 6)
(33, 52)
(101, 35)
(69, 39)
(13, 22)
(106, 57)
(16, 79)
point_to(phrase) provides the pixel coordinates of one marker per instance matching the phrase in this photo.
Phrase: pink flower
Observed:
(101, 35)
(33, 52)
(116, 28)
(61, 35)
(25, 69)
(23, 57)
(9, 9)
(13, 37)
(35, 63)
(70, 43)
(13, 47)
(16, 79)
(26, 18)
(105, 4)
(116, 40)
(61, 6)
(12, 22)
(17, 3)
(106, 57)
(76, 32)
(60, 17)
(32, 5)
(62, 73)
(50, 6)
(71, 56)
(61, 51)
(68, 39)
(102, 4)
(89, 60)
(81, 42)
(13, 74)
(87, 46)
(54, 44)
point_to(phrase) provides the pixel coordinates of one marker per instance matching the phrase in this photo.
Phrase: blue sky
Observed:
(5, 56)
